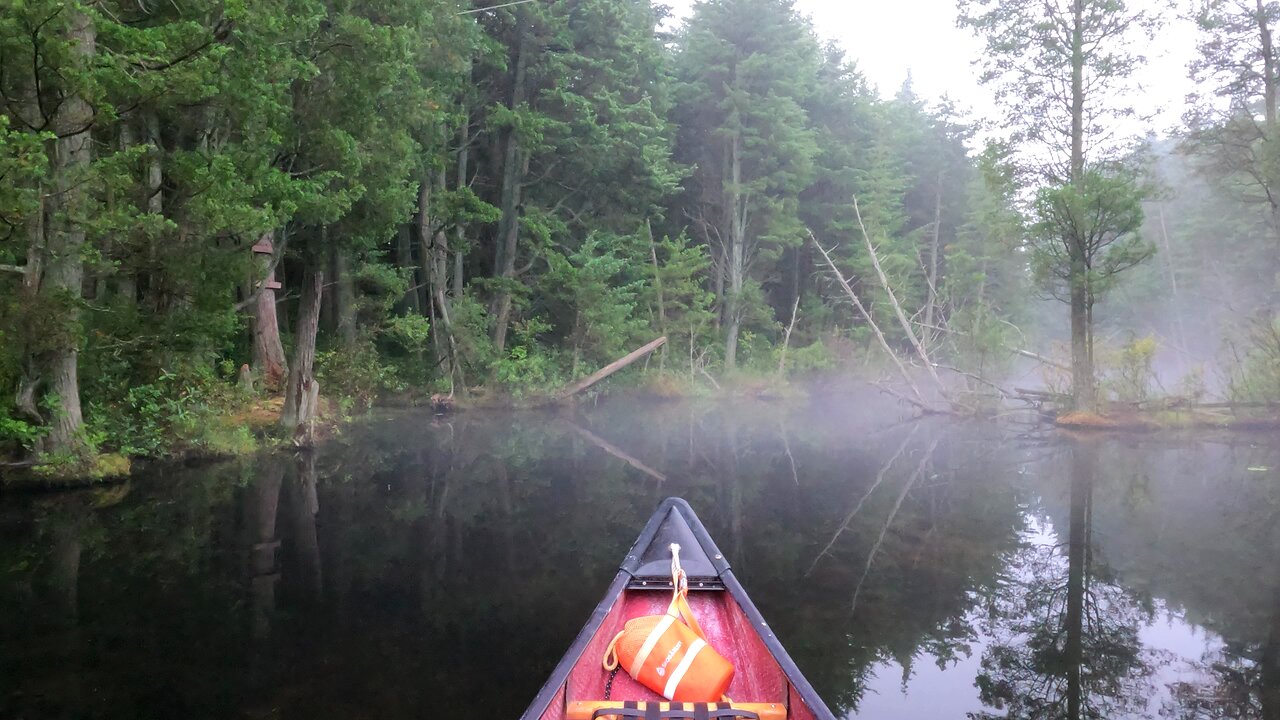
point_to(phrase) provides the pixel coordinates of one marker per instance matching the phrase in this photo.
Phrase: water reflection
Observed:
(438, 567)
(1064, 634)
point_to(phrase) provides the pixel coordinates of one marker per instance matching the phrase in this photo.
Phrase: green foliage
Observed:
(410, 332)
(15, 431)
(1128, 372)
(1253, 374)
(599, 294)
(1088, 232)
(355, 375)
(176, 412)
(528, 366)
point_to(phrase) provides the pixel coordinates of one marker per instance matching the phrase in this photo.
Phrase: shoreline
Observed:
(260, 417)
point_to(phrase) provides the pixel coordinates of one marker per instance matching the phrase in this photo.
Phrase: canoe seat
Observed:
(643, 710)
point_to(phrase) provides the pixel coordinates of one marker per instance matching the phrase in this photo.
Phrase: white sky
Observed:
(891, 38)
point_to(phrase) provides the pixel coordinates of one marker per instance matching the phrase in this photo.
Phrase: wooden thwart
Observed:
(583, 710)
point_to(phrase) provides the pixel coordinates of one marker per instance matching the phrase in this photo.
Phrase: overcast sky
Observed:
(890, 39)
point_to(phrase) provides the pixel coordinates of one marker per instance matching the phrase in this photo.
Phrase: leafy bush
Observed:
(1253, 372)
(1128, 372)
(355, 375)
(176, 411)
(16, 433)
(528, 364)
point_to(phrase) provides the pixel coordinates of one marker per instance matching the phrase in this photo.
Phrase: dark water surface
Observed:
(427, 567)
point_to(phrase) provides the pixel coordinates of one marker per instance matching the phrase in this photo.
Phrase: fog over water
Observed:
(913, 569)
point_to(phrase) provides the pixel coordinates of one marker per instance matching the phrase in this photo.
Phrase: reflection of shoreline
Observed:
(444, 545)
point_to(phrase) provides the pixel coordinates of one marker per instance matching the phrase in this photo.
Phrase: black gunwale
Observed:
(560, 675)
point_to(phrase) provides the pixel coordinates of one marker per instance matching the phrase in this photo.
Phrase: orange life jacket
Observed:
(669, 653)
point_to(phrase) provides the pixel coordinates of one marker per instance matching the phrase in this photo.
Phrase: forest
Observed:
(334, 203)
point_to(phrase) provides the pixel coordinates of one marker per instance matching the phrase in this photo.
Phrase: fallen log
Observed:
(611, 368)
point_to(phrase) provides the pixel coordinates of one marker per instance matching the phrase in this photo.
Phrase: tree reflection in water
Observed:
(421, 564)
(1064, 633)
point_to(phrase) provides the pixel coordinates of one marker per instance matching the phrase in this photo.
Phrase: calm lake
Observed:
(424, 567)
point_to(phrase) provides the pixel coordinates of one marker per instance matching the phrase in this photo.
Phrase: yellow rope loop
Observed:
(611, 653)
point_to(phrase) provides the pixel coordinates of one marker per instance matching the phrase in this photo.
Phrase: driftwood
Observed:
(612, 368)
(615, 451)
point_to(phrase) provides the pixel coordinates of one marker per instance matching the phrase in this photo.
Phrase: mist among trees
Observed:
(385, 198)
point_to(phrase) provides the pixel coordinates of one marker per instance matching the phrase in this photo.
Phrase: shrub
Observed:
(355, 376)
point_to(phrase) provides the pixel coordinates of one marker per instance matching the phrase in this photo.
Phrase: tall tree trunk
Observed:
(657, 286)
(1166, 250)
(514, 166)
(930, 308)
(1269, 74)
(64, 269)
(435, 267)
(1082, 383)
(344, 297)
(460, 232)
(302, 391)
(1082, 379)
(268, 351)
(404, 258)
(737, 252)
(1270, 80)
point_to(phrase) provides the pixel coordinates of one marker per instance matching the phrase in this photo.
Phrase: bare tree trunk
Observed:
(934, 252)
(786, 338)
(404, 258)
(1269, 74)
(301, 392)
(737, 252)
(897, 307)
(460, 232)
(344, 297)
(612, 368)
(866, 315)
(1083, 383)
(1082, 380)
(268, 351)
(514, 166)
(1166, 249)
(657, 286)
(29, 383)
(64, 268)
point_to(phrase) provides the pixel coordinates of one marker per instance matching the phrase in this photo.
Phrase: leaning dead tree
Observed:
(907, 329)
(916, 397)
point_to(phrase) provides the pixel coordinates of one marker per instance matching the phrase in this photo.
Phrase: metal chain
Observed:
(608, 685)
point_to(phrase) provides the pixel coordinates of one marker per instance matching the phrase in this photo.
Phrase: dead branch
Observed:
(976, 378)
(786, 338)
(866, 315)
(897, 307)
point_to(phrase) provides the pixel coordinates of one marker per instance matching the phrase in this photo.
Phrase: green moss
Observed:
(66, 470)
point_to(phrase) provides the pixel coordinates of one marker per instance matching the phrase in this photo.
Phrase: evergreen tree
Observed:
(745, 68)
